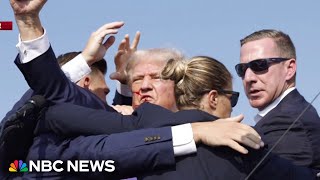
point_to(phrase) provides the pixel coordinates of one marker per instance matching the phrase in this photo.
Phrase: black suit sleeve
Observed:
(120, 99)
(70, 120)
(45, 77)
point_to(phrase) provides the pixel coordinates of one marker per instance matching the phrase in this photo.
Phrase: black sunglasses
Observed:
(234, 96)
(257, 65)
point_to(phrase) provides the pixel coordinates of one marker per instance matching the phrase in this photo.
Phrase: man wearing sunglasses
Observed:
(268, 71)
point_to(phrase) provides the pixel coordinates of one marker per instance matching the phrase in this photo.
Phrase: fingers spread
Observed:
(136, 40)
(119, 54)
(122, 45)
(127, 44)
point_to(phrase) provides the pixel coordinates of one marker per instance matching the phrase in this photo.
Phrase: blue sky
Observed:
(202, 27)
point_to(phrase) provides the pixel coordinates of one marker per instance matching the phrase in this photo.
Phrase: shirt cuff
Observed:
(29, 50)
(76, 68)
(182, 138)
(123, 89)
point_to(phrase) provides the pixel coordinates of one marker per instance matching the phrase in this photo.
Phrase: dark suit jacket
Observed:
(208, 163)
(9, 135)
(45, 77)
(302, 143)
(32, 83)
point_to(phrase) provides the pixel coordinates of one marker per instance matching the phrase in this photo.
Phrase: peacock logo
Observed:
(18, 166)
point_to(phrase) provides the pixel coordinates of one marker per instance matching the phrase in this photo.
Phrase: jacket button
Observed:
(155, 137)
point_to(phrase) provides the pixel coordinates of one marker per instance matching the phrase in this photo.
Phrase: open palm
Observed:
(121, 59)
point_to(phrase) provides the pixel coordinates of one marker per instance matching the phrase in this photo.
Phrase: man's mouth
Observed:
(145, 98)
(254, 92)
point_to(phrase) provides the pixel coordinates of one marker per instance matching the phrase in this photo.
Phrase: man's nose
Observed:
(146, 83)
(249, 76)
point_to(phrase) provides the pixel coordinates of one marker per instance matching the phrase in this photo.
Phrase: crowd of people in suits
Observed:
(170, 117)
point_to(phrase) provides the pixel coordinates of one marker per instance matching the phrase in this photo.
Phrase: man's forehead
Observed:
(148, 64)
(149, 58)
(151, 70)
(258, 49)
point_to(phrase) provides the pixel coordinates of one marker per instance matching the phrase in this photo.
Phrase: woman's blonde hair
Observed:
(196, 77)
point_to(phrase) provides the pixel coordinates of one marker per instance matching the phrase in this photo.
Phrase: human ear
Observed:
(291, 68)
(86, 82)
(213, 99)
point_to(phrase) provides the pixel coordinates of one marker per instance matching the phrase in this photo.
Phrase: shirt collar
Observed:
(271, 106)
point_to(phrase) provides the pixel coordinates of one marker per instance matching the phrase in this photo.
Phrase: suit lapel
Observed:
(293, 98)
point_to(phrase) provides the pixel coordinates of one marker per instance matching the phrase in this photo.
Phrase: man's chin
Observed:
(151, 101)
(258, 104)
(147, 101)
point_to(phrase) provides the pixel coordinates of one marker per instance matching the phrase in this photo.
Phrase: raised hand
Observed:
(227, 132)
(122, 57)
(96, 49)
(27, 17)
(27, 7)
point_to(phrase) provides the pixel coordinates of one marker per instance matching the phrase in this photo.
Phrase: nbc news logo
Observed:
(57, 166)
(18, 166)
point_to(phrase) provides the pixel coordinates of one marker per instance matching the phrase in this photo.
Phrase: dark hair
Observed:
(100, 65)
